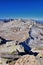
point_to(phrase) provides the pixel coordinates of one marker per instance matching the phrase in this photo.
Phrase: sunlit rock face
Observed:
(19, 37)
(29, 32)
(15, 30)
(36, 36)
(27, 60)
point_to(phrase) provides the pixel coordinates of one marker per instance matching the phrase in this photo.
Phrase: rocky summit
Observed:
(21, 42)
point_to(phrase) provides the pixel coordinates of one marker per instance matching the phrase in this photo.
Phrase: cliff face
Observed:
(21, 37)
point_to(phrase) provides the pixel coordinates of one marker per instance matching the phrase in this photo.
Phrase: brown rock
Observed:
(40, 55)
(27, 60)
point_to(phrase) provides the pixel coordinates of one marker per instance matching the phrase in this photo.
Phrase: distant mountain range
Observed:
(40, 21)
(8, 20)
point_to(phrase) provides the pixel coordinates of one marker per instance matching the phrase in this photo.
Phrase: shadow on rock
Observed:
(27, 48)
(3, 41)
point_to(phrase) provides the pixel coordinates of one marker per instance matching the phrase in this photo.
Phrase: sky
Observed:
(21, 9)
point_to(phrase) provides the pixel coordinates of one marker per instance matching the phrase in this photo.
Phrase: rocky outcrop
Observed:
(27, 60)
(20, 37)
(16, 30)
(36, 37)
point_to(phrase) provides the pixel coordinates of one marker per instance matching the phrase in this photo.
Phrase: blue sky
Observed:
(21, 9)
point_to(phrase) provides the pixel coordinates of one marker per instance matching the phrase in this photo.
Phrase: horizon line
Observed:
(21, 18)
